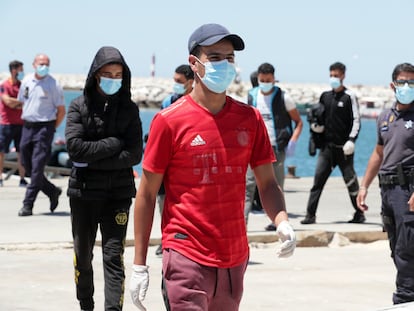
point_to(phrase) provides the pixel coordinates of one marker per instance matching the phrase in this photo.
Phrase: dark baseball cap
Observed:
(209, 34)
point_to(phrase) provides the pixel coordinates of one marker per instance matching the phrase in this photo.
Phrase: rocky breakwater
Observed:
(149, 92)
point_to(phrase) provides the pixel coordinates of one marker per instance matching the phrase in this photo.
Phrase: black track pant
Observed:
(330, 157)
(112, 218)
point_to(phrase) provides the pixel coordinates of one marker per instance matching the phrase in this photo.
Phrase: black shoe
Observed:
(270, 227)
(1, 182)
(308, 220)
(158, 252)
(23, 183)
(25, 211)
(359, 218)
(54, 199)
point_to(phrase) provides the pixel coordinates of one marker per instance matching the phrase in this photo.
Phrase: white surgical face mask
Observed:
(179, 88)
(110, 86)
(334, 82)
(20, 75)
(404, 94)
(218, 75)
(265, 87)
(42, 70)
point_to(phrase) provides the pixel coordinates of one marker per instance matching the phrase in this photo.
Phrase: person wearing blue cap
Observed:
(200, 148)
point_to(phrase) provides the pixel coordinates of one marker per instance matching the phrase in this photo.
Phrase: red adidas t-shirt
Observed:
(204, 158)
(9, 115)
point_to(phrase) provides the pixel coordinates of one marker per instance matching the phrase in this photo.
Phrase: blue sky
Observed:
(301, 38)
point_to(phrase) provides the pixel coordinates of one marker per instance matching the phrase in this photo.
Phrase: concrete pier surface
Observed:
(336, 266)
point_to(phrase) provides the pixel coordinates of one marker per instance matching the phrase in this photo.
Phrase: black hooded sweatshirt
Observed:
(104, 136)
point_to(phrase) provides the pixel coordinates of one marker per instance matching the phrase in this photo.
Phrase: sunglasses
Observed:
(401, 83)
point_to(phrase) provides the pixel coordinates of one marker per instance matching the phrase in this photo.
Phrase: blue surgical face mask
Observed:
(218, 75)
(20, 75)
(404, 94)
(334, 82)
(266, 87)
(42, 70)
(179, 88)
(110, 86)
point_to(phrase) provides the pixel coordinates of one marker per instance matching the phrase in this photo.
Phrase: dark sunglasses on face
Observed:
(401, 83)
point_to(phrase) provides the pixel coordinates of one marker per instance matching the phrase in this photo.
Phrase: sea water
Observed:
(304, 164)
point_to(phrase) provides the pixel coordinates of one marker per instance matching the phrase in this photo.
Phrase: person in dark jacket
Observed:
(339, 129)
(104, 141)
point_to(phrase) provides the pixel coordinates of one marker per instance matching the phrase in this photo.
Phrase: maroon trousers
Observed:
(188, 285)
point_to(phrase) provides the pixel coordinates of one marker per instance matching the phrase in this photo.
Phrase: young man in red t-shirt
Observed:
(201, 147)
(10, 117)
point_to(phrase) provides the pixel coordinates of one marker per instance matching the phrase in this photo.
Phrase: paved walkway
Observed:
(333, 213)
(36, 256)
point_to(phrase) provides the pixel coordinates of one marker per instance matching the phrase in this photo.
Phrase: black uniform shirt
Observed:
(396, 134)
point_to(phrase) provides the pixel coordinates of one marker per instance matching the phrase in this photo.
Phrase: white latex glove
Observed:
(315, 127)
(348, 148)
(138, 285)
(288, 238)
(290, 150)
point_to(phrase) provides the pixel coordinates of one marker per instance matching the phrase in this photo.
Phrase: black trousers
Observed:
(112, 218)
(35, 148)
(399, 224)
(330, 157)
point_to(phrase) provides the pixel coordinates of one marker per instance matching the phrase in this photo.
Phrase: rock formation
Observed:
(149, 92)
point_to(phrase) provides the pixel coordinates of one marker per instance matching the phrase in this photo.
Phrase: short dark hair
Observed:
(404, 67)
(15, 64)
(196, 51)
(338, 66)
(266, 68)
(253, 79)
(186, 71)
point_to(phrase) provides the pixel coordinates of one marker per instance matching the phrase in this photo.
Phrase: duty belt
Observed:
(396, 180)
(29, 124)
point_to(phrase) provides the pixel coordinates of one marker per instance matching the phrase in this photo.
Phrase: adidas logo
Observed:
(198, 141)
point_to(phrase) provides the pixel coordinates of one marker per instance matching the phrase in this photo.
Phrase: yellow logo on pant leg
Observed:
(121, 218)
(77, 273)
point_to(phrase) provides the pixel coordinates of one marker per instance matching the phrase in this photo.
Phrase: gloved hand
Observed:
(288, 238)
(290, 150)
(349, 147)
(315, 127)
(138, 285)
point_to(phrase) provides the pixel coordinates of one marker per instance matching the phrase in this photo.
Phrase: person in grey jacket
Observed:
(104, 142)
